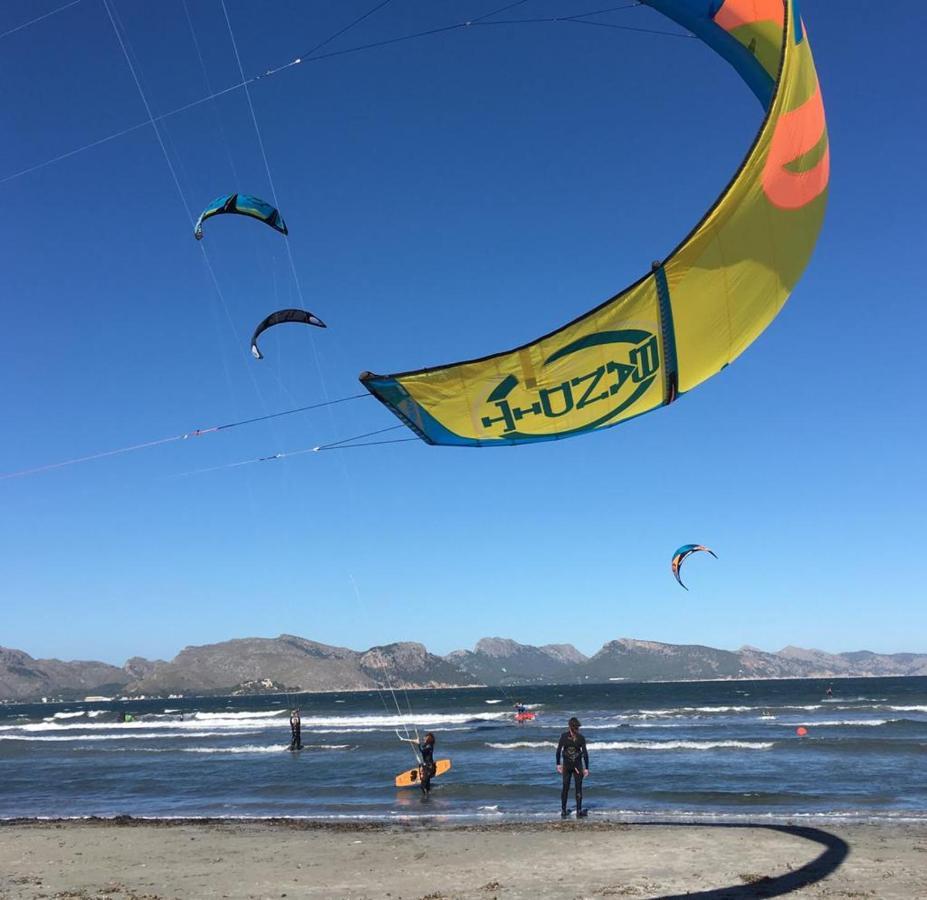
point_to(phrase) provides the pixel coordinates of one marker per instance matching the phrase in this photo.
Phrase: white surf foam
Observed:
(244, 748)
(210, 716)
(645, 745)
(399, 721)
(137, 724)
(128, 736)
(810, 723)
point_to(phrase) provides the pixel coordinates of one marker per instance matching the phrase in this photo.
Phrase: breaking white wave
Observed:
(272, 748)
(244, 748)
(687, 710)
(269, 714)
(132, 736)
(399, 721)
(645, 745)
(810, 723)
(143, 723)
(908, 708)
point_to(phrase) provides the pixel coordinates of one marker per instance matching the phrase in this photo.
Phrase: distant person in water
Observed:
(520, 707)
(426, 755)
(296, 732)
(829, 692)
(572, 762)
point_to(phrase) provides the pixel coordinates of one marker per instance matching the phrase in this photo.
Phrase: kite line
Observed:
(197, 432)
(308, 57)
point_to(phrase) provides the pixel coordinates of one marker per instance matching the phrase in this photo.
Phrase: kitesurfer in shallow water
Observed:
(572, 762)
(426, 754)
(296, 737)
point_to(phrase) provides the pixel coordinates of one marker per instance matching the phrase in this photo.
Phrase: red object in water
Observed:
(801, 731)
(524, 717)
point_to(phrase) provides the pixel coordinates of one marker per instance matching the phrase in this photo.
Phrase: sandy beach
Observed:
(132, 860)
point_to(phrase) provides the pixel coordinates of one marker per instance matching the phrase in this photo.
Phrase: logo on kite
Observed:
(600, 392)
(683, 553)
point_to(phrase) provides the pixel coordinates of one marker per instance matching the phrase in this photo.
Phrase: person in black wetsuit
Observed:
(426, 753)
(296, 738)
(572, 762)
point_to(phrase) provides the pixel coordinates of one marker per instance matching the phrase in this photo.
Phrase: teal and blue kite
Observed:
(683, 553)
(242, 205)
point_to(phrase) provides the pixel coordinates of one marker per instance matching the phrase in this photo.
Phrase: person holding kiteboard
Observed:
(575, 765)
(426, 754)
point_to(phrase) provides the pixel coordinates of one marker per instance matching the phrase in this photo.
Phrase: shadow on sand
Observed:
(835, 852)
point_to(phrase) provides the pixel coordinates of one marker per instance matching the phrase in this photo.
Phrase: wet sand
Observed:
(133, 860)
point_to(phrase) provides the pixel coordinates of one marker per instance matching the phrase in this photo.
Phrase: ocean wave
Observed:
(400, 721)
(272, 748)
(810, 723)
(132, 736)
(854, 700)
(136, 725)
(267, 714)
(492, 702)
(244, 748)
(908, 708)
(644, 745)
(686, 710)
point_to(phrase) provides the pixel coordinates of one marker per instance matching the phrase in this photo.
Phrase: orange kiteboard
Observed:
(414, 776)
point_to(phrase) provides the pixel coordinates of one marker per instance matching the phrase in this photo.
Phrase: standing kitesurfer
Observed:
(296, 737)
(575, 764)
(426, 755)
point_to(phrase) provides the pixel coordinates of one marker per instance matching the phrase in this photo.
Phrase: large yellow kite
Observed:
(694, 312)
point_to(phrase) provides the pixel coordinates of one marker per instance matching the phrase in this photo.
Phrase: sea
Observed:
(692, 751)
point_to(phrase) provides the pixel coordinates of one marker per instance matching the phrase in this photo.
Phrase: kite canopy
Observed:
(242, 205)
(277, 318)
(683, 553)
(694, 312)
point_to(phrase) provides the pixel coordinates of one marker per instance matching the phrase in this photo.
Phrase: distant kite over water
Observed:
(683, 553)
(242, 205)
(695, 311)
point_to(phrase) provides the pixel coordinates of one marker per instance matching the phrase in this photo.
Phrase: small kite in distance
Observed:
(680, 556)
(299, 316)
(242, 205)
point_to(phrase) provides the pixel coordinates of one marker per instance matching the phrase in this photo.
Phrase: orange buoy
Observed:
(801, 731)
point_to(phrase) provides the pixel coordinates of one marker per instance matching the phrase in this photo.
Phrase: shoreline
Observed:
(483, 821)
(133, 859)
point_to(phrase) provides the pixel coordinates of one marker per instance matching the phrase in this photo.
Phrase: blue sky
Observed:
(446, 198)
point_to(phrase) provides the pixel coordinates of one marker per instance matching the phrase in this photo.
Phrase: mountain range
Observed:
(292, 664)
